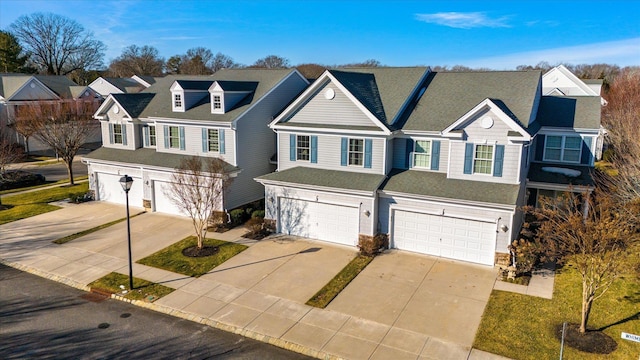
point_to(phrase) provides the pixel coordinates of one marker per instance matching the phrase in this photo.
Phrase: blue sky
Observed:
(493, 34)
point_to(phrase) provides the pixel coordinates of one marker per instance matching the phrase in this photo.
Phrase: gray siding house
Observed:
(439, 162)
(225, 115)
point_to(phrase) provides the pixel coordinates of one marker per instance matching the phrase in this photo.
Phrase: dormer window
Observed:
(177, 100)
(217, 102)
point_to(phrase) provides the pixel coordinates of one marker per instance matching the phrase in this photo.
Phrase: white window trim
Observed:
(349, 152)
(113, 129)
(155, 136)
(174, 106)
(414, 152)
(493, 159)
(178, 137)
(562, 148)
(308, 148)
(221, 109)
(209, 142)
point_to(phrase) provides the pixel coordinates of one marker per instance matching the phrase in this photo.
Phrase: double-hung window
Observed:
(303, 147)
(422, 154)
(174, 137)
(117, 134)
(356, 152)
(563, 148)
(177, 100)
(152, 136)
(483, 159)
(213, 139)
(217, 102)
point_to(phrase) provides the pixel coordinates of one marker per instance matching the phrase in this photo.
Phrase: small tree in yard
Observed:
(64, 126)
(596, 241)
(197, 187)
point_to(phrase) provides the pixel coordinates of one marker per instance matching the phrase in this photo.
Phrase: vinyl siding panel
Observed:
(193, 142)
(256, 142)
(462, 211)
(337, 111)
(510, 170)
(329, 154)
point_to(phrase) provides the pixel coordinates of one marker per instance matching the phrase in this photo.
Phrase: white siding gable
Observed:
(328, 106)
(33, 90)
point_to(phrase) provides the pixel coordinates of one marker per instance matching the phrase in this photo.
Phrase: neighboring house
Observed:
(20, 90)
(439, 162)
(109, 85)
(226, 115)
(559, 81)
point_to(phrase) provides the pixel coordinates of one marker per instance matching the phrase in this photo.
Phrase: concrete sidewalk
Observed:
(260, 293)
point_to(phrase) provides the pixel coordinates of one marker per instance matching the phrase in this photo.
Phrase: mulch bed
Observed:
(193, 251)
(593, 341)
(257, 235)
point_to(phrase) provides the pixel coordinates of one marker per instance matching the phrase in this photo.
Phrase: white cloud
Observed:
(462, 20)
(621, 52)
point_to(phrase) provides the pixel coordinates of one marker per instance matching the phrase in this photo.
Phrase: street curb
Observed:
(287, 345)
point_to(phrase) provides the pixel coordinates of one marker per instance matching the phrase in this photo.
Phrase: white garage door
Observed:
(161, 200)
(449, 237)
(109, 189)
(328, 222)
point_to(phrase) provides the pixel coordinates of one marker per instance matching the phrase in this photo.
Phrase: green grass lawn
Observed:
(522, 327)
(36, 202)
(142, 289)
(323, 297)
(171, 258)
(48, 183)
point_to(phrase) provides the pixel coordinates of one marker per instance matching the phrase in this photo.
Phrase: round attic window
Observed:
(116, 109)
(32, 85)
(486, 122)
(329, 94)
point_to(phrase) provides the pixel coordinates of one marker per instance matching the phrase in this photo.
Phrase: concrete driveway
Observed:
(441, 298)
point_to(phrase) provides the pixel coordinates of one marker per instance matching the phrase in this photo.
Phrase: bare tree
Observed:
(58, 45)
(596, 241)
(62, 125)
(197, 187)
(197, 61)
(136, 60)
(271, 62)
(367, 63)
(221, 61)
(23, 127)
(621, 118)
(311, 71)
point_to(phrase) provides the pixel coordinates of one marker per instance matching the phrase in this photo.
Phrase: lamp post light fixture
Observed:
(126, 182)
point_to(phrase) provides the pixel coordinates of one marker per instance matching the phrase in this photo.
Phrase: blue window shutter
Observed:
(181, 129)
(587, 151)
(344, 151)
(539, 148)
(435, 155)
(314, 149)
(221, 141)
(407, 160)
(498, 162)
(124, 134)
(205, 140)
(368, 144)
(468, 158)
(292, 147)
(110, 133)
(146, 135)
(166, 136)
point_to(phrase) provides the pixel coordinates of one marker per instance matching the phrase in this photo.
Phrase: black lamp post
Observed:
(126, 182)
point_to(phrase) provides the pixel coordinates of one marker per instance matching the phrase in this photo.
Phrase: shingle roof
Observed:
(11, 83)
(133, 104)
(327, 178)
(381, 90)
(58, 84)
(449, 95)
(436, 184)
(160, 106)
(142, 156)
(202, 85)
(127, 85)
(582, 112)
(238, 85)
(536, 174)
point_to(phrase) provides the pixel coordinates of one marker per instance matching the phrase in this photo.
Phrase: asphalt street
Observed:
(57, 171)
(42, 319)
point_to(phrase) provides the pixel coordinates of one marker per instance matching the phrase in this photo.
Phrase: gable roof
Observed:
(551, 76)
(450, 95)
(198, 85)
(61, 85)
(11, 82)
(133, 104)
(126, 85)
(160, 105)
(580, 112)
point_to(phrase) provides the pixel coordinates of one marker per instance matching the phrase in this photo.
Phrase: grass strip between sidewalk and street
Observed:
(523, 327)
(172, 259)
(34, 203)
(82, 233)
(323, 297)
(142, 289)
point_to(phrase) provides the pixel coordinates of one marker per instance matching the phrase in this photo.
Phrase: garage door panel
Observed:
(321, 221)
(162, 199)
(110, 189)
(456, 238)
